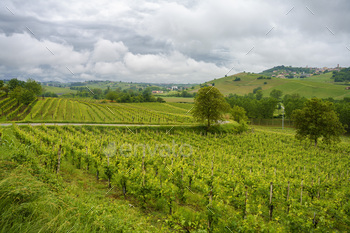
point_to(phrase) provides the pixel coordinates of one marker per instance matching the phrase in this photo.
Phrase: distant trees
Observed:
(209, 106)
(342, 76)
(263, 108)
(238, 114)
(131, 96)
(259, 95)
(277, 94)
(293, 102)
(318, 119)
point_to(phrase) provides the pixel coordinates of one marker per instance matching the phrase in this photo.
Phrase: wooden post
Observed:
(245, 201)
(143, 170)
(318, 191)
(59, 159)
(87, 157)
(288, 197)
(271, 206)
(301, 192)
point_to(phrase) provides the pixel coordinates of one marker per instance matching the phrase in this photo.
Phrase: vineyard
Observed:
(67, 110)
(253, 182)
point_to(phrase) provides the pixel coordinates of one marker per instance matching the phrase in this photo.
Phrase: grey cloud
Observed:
(162, 41)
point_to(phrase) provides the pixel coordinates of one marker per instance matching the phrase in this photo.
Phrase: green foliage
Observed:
(277, 94)
(256, 90)
(259, 95)
(343, 109)
(33, 86)
(244, 163)
(263, 108)
(342, 76)
(13, 83)
(293, 102)
(238, 114)
(209, 106)
(317, 119)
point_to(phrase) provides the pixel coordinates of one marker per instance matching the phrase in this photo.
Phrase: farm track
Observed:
(91, 124)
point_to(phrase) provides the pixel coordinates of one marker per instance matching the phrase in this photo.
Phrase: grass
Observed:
(59, 90)
(321, 86)
(36, 200)
(178, 99)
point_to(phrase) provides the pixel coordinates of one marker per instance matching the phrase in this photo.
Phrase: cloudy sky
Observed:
(183, 41)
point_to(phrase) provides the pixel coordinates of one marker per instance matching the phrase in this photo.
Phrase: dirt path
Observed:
(81, 124)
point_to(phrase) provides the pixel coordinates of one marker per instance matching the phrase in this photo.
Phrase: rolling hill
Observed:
(321, 86)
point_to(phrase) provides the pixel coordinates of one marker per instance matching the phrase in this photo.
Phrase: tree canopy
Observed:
(209, 106)
(23, 92)
(277, 94)
(238, 114)
(318, 119)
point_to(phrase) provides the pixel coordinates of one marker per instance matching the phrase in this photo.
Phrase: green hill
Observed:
(321, 86)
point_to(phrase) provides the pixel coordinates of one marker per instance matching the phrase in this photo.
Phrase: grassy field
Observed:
(260, 181)
(178, 99)
(321, 86)
(59, 90)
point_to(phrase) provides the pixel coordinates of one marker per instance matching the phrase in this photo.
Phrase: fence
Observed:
(272, 122)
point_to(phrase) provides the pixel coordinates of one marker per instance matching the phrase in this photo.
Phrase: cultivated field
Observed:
(180, 180)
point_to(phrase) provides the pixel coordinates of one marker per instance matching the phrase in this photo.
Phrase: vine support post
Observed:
(301, 192)
(58, 159)
(271, 206)
(288, 197)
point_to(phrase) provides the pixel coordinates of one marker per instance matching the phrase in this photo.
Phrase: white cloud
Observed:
(169, 41)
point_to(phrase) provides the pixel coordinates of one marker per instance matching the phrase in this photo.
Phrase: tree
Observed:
(1, 83)
(33, 86)
(27, 96)
(112, 95)
(16, 93)
(293, 102)
(259, 95)
(5, 89)
(13, 83)
(277, 94)
(209, 106)
(238, 114)
(318, 119)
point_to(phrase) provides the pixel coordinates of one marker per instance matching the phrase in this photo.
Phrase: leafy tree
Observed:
(209, 106)
(1, 83)
(266, 107)
(318, 119)
(146, 94)
(27, 96)
(112, 95)
(13, 83)
(259, 95)
(257, 89)
(343, 109)
(33, 86)
(293, 102)
(16, 93)
(5, 89)
(277, 94)
(238, 114)
(160, 100)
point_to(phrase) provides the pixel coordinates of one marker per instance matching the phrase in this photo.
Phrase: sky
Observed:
(168, 41)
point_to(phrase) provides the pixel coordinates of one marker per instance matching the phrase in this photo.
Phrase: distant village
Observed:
(307, 72)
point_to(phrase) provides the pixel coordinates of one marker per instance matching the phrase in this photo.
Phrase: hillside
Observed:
(321, 86)
(67, 110)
